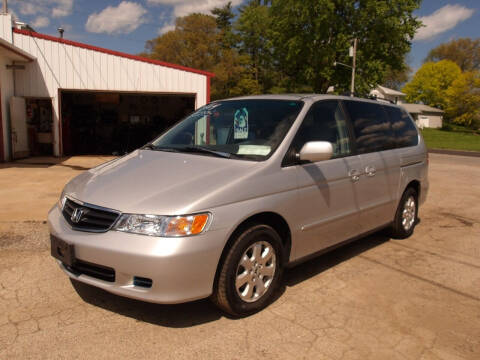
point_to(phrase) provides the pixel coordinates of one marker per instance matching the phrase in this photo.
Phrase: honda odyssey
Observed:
(221, 203)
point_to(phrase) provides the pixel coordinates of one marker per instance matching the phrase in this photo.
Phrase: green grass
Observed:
(452, 140)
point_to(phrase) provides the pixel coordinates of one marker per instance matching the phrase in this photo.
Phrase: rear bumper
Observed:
(181, 269)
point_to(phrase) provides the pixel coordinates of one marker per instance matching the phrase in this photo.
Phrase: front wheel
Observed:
(406, 215)
(251, 271)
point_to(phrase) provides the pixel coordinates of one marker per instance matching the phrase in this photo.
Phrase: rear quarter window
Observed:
(372, 128)
(405, 131)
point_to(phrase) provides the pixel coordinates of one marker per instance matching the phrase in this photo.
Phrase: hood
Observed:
(157, 182)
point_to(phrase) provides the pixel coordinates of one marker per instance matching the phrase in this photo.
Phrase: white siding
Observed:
(6, 27)
(435, 121)
(69, 67)
(62, 66)
(6, 82)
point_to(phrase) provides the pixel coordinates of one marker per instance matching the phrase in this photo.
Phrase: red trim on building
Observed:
(208, 89)
(112, 52)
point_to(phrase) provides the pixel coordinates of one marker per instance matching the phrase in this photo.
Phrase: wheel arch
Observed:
(273, 219)
(415, 184)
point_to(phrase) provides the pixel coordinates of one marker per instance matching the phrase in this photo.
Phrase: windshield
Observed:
(250, 129)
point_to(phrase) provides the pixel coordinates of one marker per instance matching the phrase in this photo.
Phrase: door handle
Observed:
(354, 174)
(370, 171)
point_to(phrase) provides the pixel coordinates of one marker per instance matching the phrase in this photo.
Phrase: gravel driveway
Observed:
(374, 299)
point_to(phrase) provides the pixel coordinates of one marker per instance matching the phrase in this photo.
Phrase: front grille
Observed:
(101, 272)
(87, 217)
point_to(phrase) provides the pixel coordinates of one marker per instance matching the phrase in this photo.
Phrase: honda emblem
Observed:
(76, 215)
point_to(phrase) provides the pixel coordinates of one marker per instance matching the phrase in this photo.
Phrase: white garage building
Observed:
(60, 97)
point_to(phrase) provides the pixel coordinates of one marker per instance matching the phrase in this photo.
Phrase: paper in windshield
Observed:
(240, 124)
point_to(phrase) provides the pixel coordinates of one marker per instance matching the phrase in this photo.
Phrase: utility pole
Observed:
(354, 64)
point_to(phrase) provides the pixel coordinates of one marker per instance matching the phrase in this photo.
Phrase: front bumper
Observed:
(181, 269)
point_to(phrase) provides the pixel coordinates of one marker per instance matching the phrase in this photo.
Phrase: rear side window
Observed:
(324, 122)
(405, 131)
(373, 130)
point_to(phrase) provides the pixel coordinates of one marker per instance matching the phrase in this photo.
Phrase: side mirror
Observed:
(314, 151)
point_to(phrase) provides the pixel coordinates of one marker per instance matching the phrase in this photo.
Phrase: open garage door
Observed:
(108, 123)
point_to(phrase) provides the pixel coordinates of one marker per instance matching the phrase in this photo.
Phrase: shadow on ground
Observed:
(203, 311)
(80, 163)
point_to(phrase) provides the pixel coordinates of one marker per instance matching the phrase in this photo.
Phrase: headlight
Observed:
(165, 226)
(62, 200)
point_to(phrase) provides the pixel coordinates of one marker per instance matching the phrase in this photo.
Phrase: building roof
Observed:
(112, 52)
(13, 52)
(420, 108)
(388, 91)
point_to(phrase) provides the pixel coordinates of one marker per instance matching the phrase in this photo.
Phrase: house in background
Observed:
(424, 115)
(383, 93)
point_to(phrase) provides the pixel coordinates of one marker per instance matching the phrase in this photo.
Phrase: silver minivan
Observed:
(221, 203)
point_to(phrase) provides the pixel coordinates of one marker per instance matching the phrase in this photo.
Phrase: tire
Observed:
(254, 259)
(406, 217)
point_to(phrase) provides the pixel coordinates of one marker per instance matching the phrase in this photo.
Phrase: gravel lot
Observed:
(374, 299)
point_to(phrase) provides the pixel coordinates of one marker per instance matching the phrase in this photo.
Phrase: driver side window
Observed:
(325, 121)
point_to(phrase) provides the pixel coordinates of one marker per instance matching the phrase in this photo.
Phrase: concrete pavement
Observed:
(377, 298)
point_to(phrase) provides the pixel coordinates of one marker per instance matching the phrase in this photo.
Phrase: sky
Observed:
(125, 25)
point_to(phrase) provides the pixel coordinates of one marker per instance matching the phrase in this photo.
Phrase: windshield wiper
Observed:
(200, 149)
(148, 146)
(189, 149)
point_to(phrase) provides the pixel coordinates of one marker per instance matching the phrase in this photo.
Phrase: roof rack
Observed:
(374, 97)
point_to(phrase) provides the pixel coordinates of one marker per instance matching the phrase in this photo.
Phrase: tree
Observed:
(253, 29)
(193, 43)
(465, 52)
(206, 42)
(234, 75)
(310, 35)
(430, 83)
(223, 17)
(396, 79)
(463, 100)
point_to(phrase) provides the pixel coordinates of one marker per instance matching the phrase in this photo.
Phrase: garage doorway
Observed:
(31, 122)
(108, 123)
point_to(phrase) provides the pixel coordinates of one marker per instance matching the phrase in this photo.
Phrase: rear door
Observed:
(18, 116)
(380, 164)
(327, 210)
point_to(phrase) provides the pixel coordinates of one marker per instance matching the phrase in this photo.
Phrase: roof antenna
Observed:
(5, 7)
(61, 31)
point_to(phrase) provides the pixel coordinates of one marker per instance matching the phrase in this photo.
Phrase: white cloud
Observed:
(166, 28)
(55, 8)
(443, 19)
(62, 8)
(40, 22)
(29, 8)
(121, 19)
(185, 7)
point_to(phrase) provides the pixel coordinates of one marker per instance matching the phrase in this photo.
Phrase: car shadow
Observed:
(321, 263)
(175, 316)
(203, 311)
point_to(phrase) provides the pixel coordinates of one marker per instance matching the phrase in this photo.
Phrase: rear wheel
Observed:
(251, 271)
(406, 215)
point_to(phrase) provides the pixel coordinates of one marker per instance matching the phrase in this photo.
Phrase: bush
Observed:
(447, 126)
